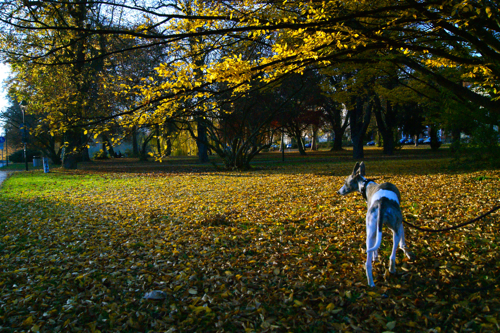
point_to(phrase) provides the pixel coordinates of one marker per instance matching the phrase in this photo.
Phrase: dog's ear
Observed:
(356, 167)
(362, 169)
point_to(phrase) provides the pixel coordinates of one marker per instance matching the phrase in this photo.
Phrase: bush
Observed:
(18, 156)
(129, 153)
(325, 145)
(346, 143)
(101, 155)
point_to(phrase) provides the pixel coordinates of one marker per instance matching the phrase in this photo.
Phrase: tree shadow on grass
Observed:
(408, 161)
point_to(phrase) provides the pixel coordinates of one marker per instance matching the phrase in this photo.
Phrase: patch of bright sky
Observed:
(4, 103)
(4, 74)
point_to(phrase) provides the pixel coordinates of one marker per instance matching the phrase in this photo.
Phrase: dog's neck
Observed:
(363, 185)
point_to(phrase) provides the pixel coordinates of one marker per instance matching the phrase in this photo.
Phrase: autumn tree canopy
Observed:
(236, 46)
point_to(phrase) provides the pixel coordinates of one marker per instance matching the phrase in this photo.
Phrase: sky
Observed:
(4, 73)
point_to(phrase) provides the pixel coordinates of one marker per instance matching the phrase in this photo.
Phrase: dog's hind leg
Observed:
(396, 238)
(368, 264)
(402, 244)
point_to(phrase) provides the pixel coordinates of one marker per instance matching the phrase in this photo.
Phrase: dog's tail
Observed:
(379, 227)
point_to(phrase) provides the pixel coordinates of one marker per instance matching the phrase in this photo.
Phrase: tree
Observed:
(304, 101)
(360, 114)
(240, 129)
(298, 35)
(71, 98)
(335, 112)
(42, 140)
(391, 99)
(352, 89)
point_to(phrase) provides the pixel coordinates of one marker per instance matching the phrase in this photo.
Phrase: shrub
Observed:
(101, 155)
(18, 156)
(129, 153)
(325, 145)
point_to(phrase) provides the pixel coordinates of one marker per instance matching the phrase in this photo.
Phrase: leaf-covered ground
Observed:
(271, 250)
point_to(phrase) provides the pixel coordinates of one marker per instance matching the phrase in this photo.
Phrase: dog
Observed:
(383, 203)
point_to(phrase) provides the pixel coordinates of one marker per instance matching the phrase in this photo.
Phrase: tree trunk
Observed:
(300, 144)
(104, 148)
(357, 148)
(106, 145)
(314, 142)
(54, 156)
(168, 150)
(455, 140)
(385, 126)
(389, 144)
(435, 144)
(84, 154)
(201, 141)
(72, 155)
(50, 151)
(158, 145)
(70, 162)
(360, 119)
(135, 143)
(111, 150)
(337, 142)
(143, 156)
(168, 131)
(339, 128)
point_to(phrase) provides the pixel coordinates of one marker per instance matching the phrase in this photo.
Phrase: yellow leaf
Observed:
(298, 303)
(488, 11)
(28, 321)
(35, 328)
(198, 309)
(330, 307)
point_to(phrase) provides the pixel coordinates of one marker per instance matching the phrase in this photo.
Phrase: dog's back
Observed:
(388, 195)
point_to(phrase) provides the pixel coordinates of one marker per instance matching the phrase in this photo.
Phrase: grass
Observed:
(273, 249)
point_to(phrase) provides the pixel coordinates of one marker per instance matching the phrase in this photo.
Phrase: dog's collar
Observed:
(364, 186)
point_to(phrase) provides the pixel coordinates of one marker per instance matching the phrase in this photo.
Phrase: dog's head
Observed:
(351, 183)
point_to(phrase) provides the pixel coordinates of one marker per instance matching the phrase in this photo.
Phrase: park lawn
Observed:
(274, 249)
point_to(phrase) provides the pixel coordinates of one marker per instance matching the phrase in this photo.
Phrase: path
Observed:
(3, 176)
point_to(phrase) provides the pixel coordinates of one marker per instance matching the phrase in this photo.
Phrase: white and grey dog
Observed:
(383, 202)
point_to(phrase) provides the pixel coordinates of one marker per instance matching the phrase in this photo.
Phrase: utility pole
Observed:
(282, 145)
(24, 129)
